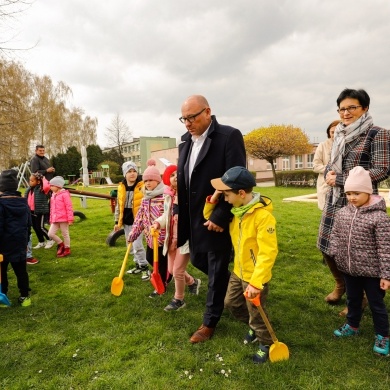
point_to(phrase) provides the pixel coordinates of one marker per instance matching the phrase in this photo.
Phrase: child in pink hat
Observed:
(360, 244)
(152, 207)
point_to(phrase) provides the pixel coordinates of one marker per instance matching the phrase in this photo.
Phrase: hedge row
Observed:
(299, 178)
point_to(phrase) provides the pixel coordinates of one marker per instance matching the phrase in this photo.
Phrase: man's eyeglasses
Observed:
(190, 118)
(350, 109)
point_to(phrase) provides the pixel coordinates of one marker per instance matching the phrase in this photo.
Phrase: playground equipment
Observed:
(113, 237)
(88, 194)
(24, 173)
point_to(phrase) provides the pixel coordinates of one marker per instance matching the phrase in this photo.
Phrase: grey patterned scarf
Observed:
(342, 136)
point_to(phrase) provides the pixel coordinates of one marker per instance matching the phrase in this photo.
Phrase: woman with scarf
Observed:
(357, 142)
(321, 159)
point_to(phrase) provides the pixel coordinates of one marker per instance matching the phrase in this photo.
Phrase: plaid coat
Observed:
(371, 150)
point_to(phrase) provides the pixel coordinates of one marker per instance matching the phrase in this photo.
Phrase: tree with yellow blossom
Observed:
(269, 143)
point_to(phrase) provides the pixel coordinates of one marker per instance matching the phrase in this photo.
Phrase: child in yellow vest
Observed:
(129, 197)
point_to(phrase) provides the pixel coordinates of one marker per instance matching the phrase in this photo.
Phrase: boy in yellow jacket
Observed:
(253, 235)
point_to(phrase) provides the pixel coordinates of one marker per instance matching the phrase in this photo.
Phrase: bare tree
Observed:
(9, 9)
(34, 110)
(118, 134)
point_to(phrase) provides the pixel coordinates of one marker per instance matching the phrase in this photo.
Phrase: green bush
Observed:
(301, 178)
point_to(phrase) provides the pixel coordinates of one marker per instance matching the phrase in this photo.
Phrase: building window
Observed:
(310, 158)
(298, 162)
(286, 163)
(269, 168)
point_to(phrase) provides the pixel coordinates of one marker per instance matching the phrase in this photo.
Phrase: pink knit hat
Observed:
(151, 172)
(358, 181)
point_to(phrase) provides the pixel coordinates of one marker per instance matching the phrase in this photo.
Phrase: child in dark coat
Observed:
(15, 226)
(37, 195)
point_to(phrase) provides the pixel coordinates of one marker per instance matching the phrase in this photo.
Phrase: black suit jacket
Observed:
(223, 148)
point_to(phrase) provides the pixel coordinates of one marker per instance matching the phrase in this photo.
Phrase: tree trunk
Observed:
(271, 161)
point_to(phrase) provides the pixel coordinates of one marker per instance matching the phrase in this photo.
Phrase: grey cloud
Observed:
(257, 61)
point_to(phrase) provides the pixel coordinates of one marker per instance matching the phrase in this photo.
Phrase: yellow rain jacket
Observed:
(254, 242)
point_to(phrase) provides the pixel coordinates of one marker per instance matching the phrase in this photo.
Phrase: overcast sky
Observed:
(256, 61)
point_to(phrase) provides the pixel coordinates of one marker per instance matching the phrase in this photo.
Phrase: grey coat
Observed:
(360, 240)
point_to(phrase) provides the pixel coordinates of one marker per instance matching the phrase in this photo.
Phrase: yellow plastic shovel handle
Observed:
(122, 271)
(256, 302)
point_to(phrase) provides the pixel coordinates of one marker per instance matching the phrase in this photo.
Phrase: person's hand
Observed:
(212, 226)
(154, 226)
(116, 228)
(50, 170)
(330, 178)
(252, 292)
(385, 284)
(215, 197)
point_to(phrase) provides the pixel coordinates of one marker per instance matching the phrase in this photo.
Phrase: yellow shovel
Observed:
(117, 282)
(278, 351)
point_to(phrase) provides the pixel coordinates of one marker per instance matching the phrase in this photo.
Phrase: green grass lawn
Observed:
(76, 335)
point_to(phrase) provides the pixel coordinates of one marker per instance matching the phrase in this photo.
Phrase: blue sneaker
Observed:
(250, 337)
(175, 304)
(261, 356)
(381, 345)
(346, 331)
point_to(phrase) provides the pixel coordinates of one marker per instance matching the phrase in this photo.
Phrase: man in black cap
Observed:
(15, 226)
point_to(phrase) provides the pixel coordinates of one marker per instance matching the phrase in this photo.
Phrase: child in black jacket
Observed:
(15, 226)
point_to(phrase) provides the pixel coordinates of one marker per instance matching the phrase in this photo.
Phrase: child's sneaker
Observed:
(346, 331)
(175, 304)
(49, 244)
(145, 276)
(32, 260)
(4, 305)
(155, 294)
(60, 249)
(39, 245)
(24, 301)
(194, 287)
(261, 356)
(65, 252)
(136, 270)
(250, 337)
(381, 345)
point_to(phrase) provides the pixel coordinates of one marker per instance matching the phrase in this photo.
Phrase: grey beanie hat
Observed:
(57, 181)
(9, 180)
(126, 166)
